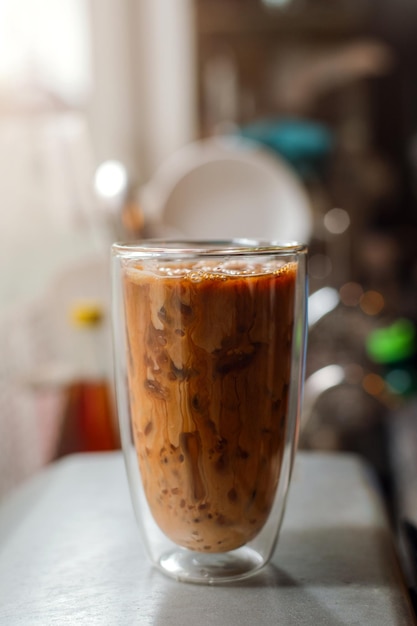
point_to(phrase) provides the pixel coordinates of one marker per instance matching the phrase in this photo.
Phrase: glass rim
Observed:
(205, 247)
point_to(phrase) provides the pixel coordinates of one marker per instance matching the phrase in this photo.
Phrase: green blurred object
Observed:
(392, 344)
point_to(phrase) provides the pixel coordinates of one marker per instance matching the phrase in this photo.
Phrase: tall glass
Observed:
(209, 343)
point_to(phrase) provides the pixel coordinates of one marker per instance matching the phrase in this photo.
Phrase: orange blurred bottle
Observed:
(89, 423)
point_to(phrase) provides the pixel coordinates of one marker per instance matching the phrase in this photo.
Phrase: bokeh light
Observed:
(110, 179)
(351, 294)
(337, 221)
(399, 381)
(353, 373)
(372, 302)
(373, 384)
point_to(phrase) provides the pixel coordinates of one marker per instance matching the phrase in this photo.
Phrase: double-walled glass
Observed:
(209, 343)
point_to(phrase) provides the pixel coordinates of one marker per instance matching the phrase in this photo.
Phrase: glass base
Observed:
(210, 569)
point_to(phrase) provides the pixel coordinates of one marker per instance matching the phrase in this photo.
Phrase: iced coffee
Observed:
(208, 376)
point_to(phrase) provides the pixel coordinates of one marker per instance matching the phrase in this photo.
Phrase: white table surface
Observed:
(70, 554)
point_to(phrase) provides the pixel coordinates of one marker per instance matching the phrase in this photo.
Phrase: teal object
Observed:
(304, 144)
(400, 381)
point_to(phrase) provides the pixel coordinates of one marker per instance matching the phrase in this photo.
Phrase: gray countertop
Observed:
(70, 554)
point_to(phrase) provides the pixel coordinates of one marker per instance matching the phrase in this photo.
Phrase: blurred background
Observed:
(129, 118)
